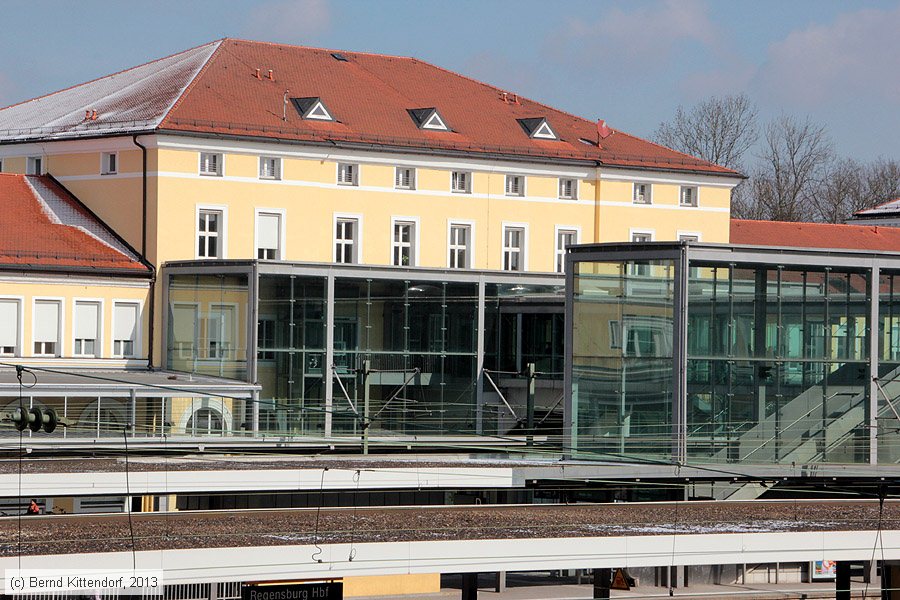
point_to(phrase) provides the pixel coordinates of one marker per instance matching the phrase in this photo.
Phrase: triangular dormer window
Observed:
(538, 128)
(312, 108)
(428, 118)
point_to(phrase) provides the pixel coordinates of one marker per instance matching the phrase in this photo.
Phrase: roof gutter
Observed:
(151, 301)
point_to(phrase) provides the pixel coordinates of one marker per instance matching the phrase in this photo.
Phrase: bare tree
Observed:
(882, 182)
(719, 130)
(839, 193)
(792, 161)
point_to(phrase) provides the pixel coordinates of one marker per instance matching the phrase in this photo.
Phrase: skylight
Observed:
(312, 108)
(538, 128)
(428, 118)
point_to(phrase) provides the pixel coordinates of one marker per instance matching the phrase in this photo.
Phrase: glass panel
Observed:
(622, 363)
(777, 363)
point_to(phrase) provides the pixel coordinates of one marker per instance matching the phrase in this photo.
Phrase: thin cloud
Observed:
(645, 39)
(855, 57)
(293, 21)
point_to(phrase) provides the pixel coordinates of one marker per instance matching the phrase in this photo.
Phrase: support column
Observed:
(500, 584)
(254, 412)
(469, 586)
(602, 581)
(874, 299)
(842, 580)
(890, 580)
(529, 404)
(327, 371)
(479, 360)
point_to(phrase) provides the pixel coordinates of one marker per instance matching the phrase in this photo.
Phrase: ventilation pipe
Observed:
(258, 75)
(271, 75)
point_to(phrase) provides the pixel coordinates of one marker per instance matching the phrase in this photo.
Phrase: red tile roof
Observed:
(42, 225)
(369, 96)
(815, 235)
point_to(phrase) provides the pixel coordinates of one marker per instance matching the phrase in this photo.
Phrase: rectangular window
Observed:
(638, 268)
(688, 195)
(34, 165)
(269, 167)
(268, 236)
(564, 238)
(405, 178)
(265, 338)
(185, 330)
(642, 193)
(210, 164)
(109, 163)
(10, 324)
(513, 248)
(87, 328)
(461, 182)
(403, 245)
(125, 329)
(209, 233)
(460, 246)
(348, 174)
(688, 237)
(220, 332)
(568, 189)
(515, 185)
(345, 234)
(46, 327)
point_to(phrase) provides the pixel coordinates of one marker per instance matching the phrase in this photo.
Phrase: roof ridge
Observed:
(108, 75)
(190, 84)
(339, 50)
(814, 223)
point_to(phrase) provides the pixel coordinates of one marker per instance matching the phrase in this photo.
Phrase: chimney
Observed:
(505, 97)
(87, 115)
(271, 75)
(94, 115)
(257, 74)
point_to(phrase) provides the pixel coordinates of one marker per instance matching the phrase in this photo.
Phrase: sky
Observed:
(631, 63)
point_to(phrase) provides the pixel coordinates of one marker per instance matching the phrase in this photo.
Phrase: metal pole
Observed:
(529, 404)
(365, 423)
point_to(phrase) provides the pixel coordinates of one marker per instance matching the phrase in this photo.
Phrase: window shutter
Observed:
(268, 234)
(46, 321)
(86, 317)
(184, 323)
(125, 317)
(9, 323)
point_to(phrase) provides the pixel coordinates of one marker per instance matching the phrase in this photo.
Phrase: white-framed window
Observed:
(211, 164)
(564, 237)
(185, 330)
(10, 326)
(34, 165)
(269, 235)
(126, 319)
(515, 185)
(643, 193)
(220, 331)
(348, 174)
(405, 178)
(460, 245)
(403, 243)
(86, 328)
(46, 326)
(568, 188)
(641, 237)
(461, 182)
(688, 237)
(688, 195)
(269, 167)
(109, 163)
(514, 247)
(210, 233)
(346, 240)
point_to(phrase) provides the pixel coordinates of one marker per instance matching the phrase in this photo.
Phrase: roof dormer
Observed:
(428, 118)
(312, 108)
(538, 128)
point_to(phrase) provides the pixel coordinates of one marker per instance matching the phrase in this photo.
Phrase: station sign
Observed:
(332, 590)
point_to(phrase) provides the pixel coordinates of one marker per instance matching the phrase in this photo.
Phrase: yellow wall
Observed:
(67, 291)
(384, 585)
